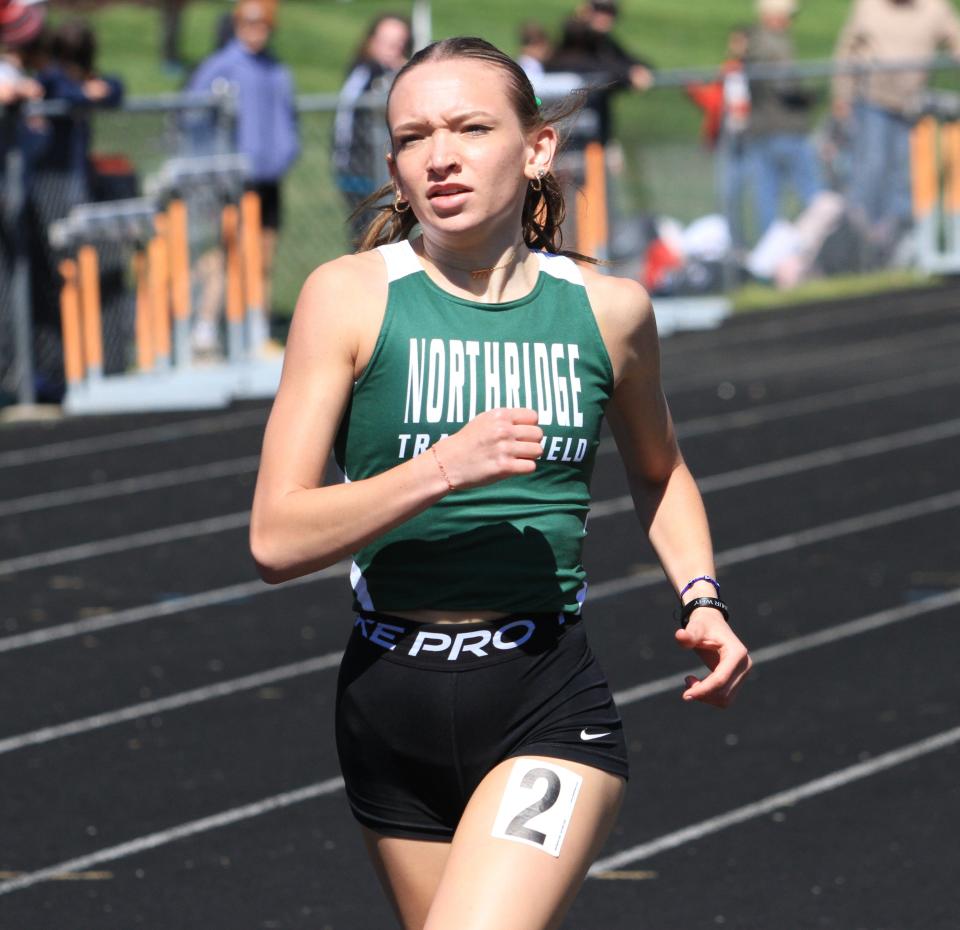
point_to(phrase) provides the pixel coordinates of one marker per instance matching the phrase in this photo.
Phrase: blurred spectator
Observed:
(778, 139)
(208, 273)
(21, 44)
(22, 51)
(21, 30)
(71, 75)
(726, 118)
(587, 48)
(880, 105)
(535, 49)
(357, 159)
(62, 178)
(266, 121)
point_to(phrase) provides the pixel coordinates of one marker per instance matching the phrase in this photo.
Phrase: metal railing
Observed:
(650, 203)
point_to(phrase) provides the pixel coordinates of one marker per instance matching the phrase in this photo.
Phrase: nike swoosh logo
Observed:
(584, 735)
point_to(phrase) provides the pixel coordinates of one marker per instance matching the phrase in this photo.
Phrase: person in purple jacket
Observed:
(266, 124)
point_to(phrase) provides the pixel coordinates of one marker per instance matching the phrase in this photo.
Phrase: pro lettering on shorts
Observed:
(477, 642)
(451, 381)
(451, 646)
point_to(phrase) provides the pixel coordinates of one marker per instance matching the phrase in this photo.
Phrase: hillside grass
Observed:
(317, 38)
(667, 169)
(764, 297)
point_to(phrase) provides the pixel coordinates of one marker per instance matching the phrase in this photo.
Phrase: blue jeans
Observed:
(732, 178)
(773, 160)
(880, 185)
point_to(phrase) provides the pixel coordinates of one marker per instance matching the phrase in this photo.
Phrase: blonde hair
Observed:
(544, 208)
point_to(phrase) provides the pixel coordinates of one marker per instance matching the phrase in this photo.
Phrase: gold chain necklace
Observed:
(475, 273)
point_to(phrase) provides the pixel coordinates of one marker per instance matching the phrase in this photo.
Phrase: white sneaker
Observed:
(204, 338)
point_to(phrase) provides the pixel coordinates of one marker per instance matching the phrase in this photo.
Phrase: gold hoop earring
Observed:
(400, 206)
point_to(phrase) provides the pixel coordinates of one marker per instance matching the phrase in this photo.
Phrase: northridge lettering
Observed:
(450, 381)
(514, 374)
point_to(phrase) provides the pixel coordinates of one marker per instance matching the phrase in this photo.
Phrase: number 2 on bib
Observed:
(537, 804)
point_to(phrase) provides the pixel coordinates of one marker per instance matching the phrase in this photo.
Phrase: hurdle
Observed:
(240, 226)
(161, 373)
(76, 238)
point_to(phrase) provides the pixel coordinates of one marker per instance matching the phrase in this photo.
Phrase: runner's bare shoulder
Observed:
(343, 302)
(625, 316)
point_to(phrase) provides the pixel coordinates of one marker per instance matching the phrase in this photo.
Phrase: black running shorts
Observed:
(271, 209)
(425, 711)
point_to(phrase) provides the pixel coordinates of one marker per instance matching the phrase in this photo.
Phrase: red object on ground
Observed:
(659, 261)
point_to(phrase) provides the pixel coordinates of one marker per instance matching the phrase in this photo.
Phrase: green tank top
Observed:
(440, 360)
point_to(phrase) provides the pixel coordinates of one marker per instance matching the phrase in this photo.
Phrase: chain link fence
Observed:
(42, 184)
(683, 209)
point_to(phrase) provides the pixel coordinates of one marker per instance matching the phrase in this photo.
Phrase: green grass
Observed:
(763, 297)
(668, 170)
(318, 37)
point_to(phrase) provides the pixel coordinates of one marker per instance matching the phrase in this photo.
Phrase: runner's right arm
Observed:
(298, 526)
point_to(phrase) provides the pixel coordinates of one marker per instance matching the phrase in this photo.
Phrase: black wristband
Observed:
(683, 615)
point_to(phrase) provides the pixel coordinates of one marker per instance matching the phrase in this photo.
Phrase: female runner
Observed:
(461, 377)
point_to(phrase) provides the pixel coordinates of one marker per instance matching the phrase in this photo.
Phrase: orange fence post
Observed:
(234, 296)
(592, 204)
(70, 322)
(90, 321)
(143, 323)
(179, 252)
(924, 166)
(159, 278)
(584, 242)
(258, 329)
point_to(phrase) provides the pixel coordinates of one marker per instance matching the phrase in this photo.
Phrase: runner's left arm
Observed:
(665, 494)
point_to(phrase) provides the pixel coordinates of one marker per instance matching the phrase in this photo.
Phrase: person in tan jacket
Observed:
(881, 104)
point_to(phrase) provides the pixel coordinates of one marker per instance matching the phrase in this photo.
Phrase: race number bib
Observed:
(537, 804)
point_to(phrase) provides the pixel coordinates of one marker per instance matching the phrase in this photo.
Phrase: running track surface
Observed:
(166, 739)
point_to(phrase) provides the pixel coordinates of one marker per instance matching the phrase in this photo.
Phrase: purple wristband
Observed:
(693, 581)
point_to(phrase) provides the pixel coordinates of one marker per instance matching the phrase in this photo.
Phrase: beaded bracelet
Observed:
(693, 581)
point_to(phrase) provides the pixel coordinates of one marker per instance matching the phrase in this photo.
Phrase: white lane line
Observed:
(249, 418)
(332, 785)
(790, 647)
(169, 432)
(785, 326)
(781, 799)
(815, 358)
(167, 608)
(163, 837)
(814, 403)
(112, 489)
(836, 455)
(790, 541)
(230, 521)
(599, 590)
(702, 426)
(329, 660)
(778, 468)
(171, 702)
(794, 464)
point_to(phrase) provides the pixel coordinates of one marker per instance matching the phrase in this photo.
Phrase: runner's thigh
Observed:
(494, 882)
(409, 871)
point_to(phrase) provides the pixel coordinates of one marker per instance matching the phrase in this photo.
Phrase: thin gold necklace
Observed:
(475, 273)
